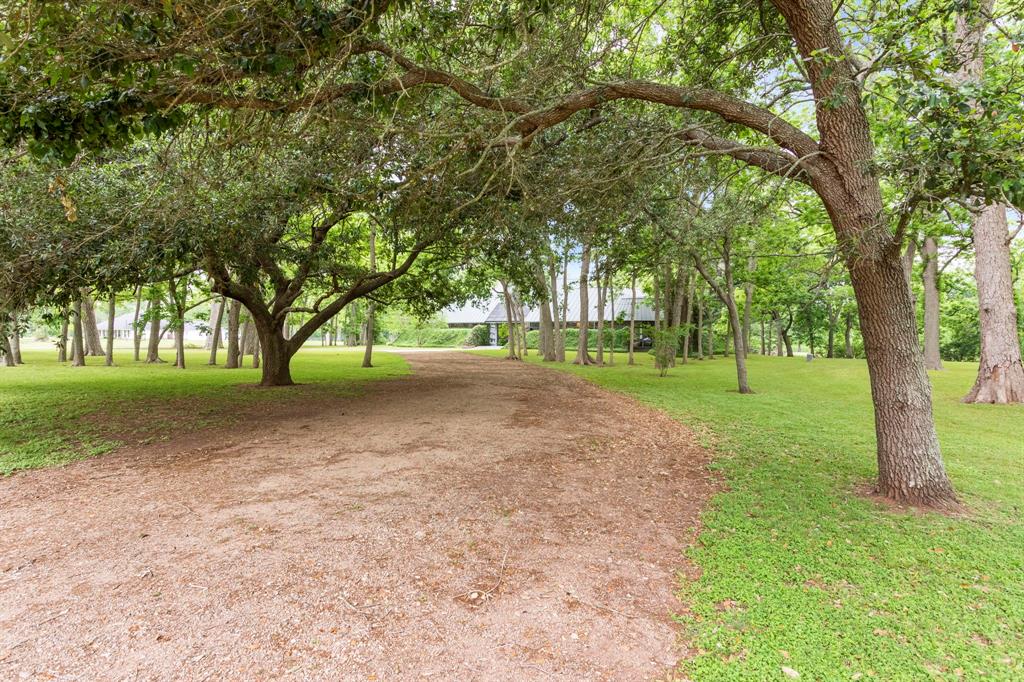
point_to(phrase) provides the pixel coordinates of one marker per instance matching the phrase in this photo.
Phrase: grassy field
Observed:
(801, 571)
(51, 413)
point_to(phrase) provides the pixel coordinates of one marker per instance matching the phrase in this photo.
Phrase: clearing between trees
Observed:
(478, 519)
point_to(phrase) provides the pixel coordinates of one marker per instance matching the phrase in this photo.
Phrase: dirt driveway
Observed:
(477, 520)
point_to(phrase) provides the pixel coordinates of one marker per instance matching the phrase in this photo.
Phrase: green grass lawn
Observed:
(800, 570)
(52, 413)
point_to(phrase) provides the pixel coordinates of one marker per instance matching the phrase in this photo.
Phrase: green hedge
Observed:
(432, 337)
(480, 335)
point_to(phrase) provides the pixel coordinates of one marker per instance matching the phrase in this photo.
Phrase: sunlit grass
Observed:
(800, 570)
(52, 413)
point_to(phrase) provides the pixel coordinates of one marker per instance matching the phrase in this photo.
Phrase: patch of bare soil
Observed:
(477, 520)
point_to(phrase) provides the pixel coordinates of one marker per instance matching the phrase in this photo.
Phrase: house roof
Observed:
(474, 312)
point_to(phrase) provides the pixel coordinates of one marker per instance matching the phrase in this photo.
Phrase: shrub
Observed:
(479, 335)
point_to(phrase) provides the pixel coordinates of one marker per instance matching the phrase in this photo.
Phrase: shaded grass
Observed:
(51, 413)
(800, 570)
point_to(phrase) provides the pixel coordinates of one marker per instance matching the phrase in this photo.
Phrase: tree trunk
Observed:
(277, 354)
(547, 325)
(725, 295)
(711, 340)
(558, 336)
(16, 340)
(5, 349)
(848, 337)
(136, 332)
(1000, 372)
(687, 314)
(700, 328)
(601, 294)
(234, 312)
(62, 341)
(218, 323)
(748, 304)
(371, 309)
(910, 467)
(833, 319)
(764, 349)
(153, 352)
(371, 312)
(77, 343)
(111, 314)
(632, 319)
(510, 321)
(659, 332)
(609, 294)
(582, 352)
(930, 280)
(777, 319)
(93, 345)
(784, 334)
(179, 344)
(565, 303)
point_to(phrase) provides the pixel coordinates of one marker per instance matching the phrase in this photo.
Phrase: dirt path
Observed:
(477, 520)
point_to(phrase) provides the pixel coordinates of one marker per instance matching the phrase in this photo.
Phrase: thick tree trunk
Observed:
(5, 349)
(218, 323)
(111, 314)
(1000, 372)
(77, 343)
(910, 467)
(582, 353)
(930, 280)
(136, 331)
(93, 345)
(16, 340)
(277, 355)
(153, 352)
(233, 350)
